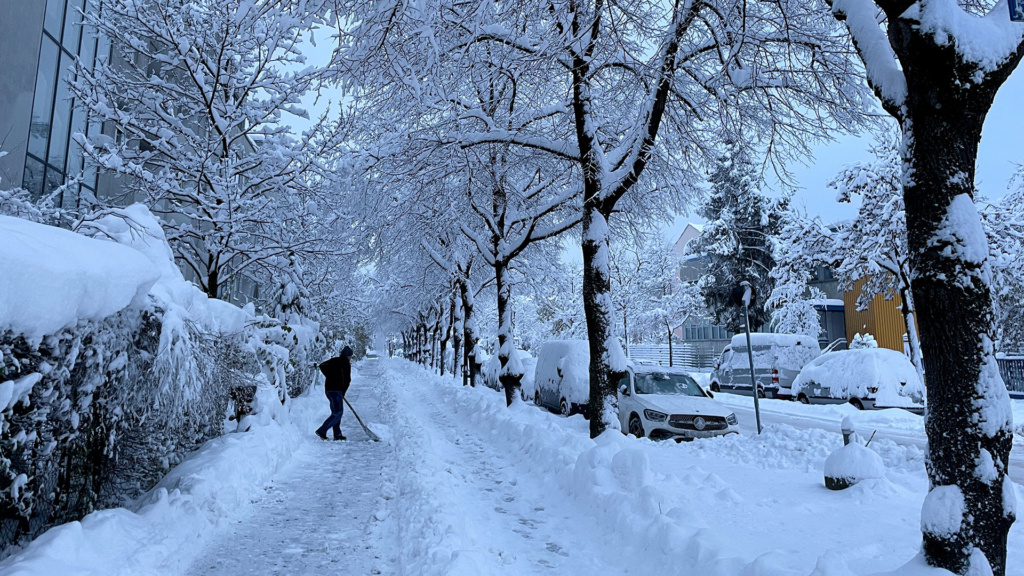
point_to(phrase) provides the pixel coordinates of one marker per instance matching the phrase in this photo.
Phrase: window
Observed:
(52, 154)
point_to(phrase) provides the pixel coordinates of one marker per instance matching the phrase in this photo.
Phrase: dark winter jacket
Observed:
(337, 373)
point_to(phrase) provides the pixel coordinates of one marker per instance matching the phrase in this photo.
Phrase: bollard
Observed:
(847, 429)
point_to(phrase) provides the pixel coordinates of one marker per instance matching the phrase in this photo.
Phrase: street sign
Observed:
(1016, 10)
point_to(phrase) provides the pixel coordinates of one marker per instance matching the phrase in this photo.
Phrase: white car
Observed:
(662, 403)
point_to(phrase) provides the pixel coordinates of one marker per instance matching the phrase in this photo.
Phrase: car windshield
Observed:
(666, 383)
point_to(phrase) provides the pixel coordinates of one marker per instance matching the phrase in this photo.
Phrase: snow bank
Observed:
(51, 278)
(136, 227)
(172, 523)
(854, 463)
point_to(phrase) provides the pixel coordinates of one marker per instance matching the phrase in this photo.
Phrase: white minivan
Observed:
(778, 359)
(667, 403)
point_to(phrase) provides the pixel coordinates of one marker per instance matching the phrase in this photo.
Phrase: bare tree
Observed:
(196, 93)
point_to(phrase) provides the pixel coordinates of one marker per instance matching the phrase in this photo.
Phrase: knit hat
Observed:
(346, 351)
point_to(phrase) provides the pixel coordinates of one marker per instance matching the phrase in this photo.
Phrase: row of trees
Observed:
(491, 127)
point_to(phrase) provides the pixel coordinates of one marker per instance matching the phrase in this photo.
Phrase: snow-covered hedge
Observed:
(113, 367)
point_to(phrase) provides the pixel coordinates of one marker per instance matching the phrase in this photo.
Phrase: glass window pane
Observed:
(54, 17)
(39, 133)
(78, 125)
(52, 181)
(61, 116)
(33, 179)
(72, 25)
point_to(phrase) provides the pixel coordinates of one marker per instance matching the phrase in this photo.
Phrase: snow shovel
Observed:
(369, 432)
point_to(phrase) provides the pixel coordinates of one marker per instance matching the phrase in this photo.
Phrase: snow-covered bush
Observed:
(865, 340)
(113, 367)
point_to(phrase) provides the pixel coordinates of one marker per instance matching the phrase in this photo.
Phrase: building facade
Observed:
(41, 41)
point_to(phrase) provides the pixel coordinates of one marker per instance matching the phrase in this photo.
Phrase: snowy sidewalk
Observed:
(316, 516)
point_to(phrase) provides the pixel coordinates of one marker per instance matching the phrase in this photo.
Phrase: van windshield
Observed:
(666, 383)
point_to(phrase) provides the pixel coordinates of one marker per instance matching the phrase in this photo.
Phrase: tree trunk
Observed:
(625, 333)
(456, 335)
(669, 345)
(511, 380)
(469, 342)
(213, 281)
(968, 421)
(597, 306)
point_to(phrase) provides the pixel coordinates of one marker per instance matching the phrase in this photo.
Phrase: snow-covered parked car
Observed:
(562, 378)
(778, 359)
(663, 403)
(865, 377)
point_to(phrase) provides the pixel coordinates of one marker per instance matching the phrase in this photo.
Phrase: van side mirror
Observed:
(624, 390)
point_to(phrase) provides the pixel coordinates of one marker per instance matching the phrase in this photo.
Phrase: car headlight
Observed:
(655, 416)
(731, 419)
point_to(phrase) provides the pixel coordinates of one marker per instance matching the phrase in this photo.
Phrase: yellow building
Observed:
(883, 319)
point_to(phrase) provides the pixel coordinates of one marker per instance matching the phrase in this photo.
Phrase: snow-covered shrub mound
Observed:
(884, 375)
(52, 278)
(112, 366)
(851, 464)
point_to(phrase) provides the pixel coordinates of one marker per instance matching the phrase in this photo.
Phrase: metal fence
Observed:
(1012, 371)
(693, 354)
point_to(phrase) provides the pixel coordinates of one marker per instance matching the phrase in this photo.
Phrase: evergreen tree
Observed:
(737, 240)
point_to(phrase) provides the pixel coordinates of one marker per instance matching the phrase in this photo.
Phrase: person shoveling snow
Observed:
(337, 373)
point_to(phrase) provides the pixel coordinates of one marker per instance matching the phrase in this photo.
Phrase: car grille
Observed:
(688, 422)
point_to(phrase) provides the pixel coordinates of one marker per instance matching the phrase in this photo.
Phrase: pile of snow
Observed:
(52, 278)
(136, 227)
(564, 366)
(854, 463)
(854, 373)
(695, 508)
(492, 368)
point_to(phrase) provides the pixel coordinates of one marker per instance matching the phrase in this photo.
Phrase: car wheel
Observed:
(760, 393)
(564, 408)
(715, 387)
(636, 427)
(857, 403)
(803, 399)
(536, 398)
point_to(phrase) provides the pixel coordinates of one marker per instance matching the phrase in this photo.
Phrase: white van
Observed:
(562, 378)
(778, 359)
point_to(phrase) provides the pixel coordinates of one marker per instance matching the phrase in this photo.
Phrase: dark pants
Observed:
(337, 399)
